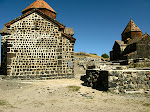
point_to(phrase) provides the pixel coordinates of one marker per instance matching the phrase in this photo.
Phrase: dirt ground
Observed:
(65, 95)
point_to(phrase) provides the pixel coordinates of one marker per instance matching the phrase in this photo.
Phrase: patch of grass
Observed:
(136, 65)
(105, 91)
(73, 88)
(105, 100)
(90, 97)
(6, 104)
(3, 102)
(146, 104)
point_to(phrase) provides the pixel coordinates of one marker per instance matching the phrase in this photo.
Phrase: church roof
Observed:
(69, 37)
(131, 27)
(61, 26)
(39, 4)
(4, 30)
(39, 12)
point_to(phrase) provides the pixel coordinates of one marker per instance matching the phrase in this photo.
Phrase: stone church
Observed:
(36, 46)
(134, 44)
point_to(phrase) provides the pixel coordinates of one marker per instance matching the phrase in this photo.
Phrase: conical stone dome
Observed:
(42, 6)
(132, 31)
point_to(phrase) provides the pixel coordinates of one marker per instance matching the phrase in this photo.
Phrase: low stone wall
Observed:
(96, 79)
(118, 81)
(122, 81)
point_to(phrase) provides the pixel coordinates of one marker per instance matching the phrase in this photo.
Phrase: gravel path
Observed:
(64, 95)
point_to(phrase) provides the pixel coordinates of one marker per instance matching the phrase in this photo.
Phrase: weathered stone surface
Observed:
(119, 81)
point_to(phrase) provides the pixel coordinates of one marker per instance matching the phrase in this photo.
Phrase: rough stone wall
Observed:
(132, 55)
(140, 49)
(129, 49)
(125, 36)
(131, 35)
(111, 55)
(36, 48)
(88, 61)
(97, 79)
(143, 47)
(116, 52)
(132, 80)
(139, 63)
(118, 81)
(3, 55)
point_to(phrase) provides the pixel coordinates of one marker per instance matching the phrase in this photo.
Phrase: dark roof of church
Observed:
(134, 40)
(131, 27)
(69, 37)
(39, 4)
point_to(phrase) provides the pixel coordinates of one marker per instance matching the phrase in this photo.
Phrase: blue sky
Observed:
(97, 23)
